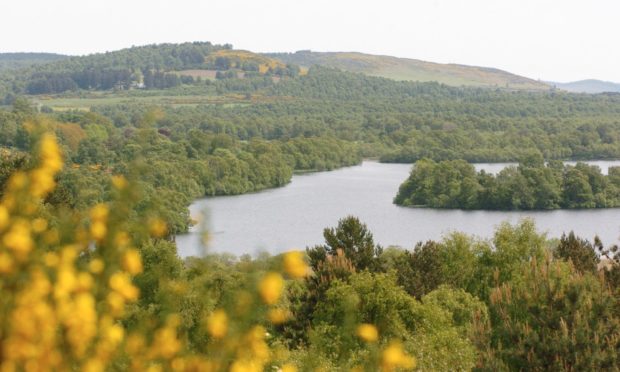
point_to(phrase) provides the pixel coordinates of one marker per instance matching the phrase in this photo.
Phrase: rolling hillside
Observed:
(412, 69)
(19, 60)
(589, 86)
(157, 66)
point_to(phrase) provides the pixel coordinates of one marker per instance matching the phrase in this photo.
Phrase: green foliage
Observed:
(356, 242)
(542, 314)
(10, 162)
(420, 271)
(465, 308)
(455, 304)
(461, 261)
(579, 251)
(453, 261)
(553, 318)
(448, 184)
(174, 166)
(515, 245)
(531, 185)
(610, 264)
(349, 248)
(398, 121)
(426, 329)
(120, 69)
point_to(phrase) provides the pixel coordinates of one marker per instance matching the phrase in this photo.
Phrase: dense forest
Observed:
(404, 122)
(396, 121)
(157, 66)
(177, 165)
(417, 120)
(260, 129)
(91, 202)
(102, 288)
(530, 185)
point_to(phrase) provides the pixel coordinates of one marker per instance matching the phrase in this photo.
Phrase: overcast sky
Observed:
(560, 40)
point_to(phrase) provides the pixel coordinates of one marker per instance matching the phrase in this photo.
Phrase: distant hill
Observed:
(156, 66)
(19, 60)
(412, 69)
(588, 86)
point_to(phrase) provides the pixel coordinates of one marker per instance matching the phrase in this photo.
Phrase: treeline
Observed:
(12, 61)
(176, 165)
(103, 71)
(250, 64)
(516, 302)
(43, 83)
(105, 286)
(104, 79)
(396, 121)
(149, 67)
(530, 185)
(405, 122)
(418, 120)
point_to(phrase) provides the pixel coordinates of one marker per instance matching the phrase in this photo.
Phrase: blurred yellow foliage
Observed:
(65, 288)
(294, 264)
(368, 332)
(270, 287)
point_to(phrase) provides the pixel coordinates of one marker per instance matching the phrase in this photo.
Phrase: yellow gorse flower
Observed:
(294, 264)
(99, 215)
(98, 230)
(119, 182)
(132, 262)
(6, 263)
(39, 225)
(166, 344)
(158, 228)
(217, 323)
(368, 332)
(65, 292)
(394, 357)
(278, 316)
(270, 287)
(96, 266)
(50, 153)
(288, 368)
(42, 178)
(18, 239)
(4, 217)
(52, 316)
(120, 282)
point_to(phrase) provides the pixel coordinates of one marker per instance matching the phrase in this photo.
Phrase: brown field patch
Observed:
(204, 74)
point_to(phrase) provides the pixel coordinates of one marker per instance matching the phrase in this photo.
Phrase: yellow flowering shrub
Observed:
(368, 332)
(67, 286)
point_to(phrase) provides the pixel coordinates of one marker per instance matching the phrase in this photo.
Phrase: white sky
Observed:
(560, 40)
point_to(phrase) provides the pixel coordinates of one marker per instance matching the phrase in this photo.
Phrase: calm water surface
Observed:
(294, 216)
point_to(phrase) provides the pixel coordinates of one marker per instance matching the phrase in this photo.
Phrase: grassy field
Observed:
(203, 74)
(414, 70)
(66, 103)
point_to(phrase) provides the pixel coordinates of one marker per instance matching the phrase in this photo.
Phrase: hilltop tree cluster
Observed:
(113, 70)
